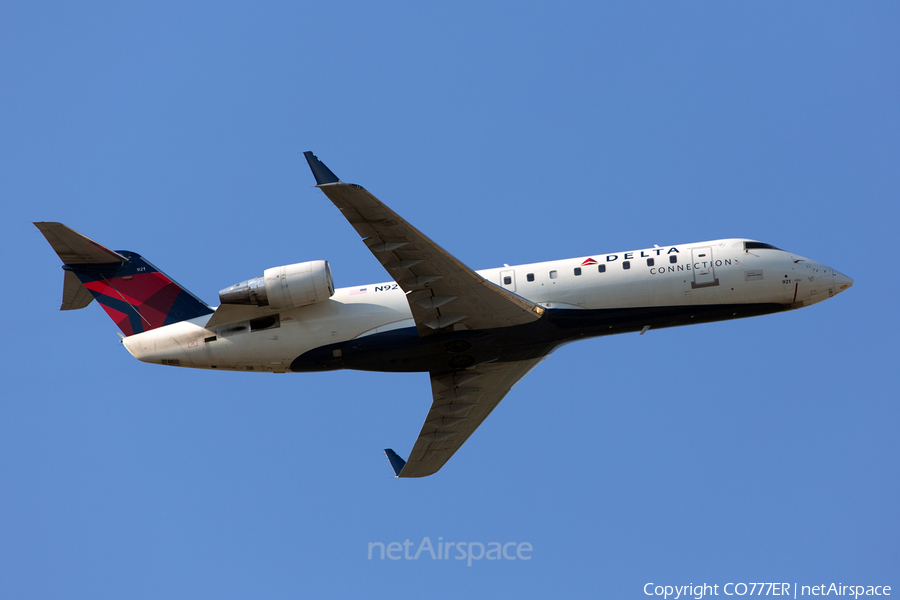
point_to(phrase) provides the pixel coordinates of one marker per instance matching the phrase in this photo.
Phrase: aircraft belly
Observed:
(300, 331)
(169, 345)
(402, 350)
(236, 346)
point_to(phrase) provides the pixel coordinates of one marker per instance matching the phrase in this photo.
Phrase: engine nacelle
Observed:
(291, 286)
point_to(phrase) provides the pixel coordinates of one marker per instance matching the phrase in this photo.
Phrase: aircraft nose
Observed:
(841, 282)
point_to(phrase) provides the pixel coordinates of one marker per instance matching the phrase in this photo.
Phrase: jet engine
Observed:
(291, 286)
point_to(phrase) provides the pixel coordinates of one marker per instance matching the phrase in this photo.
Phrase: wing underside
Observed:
(462, 400)
(75, 248)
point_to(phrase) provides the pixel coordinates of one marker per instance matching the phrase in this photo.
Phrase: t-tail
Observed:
(135, 294)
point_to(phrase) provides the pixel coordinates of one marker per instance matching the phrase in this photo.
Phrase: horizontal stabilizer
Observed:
(76, 249)
(135, 294)
(75, 295)
(397, 463)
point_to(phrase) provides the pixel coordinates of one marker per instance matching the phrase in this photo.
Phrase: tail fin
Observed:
(135, 294)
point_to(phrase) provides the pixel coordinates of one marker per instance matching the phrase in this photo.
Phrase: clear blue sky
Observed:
(751, 451)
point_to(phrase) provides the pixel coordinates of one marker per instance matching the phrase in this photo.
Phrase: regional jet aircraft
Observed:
(476, 333)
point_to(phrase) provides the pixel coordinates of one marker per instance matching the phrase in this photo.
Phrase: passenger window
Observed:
(530, 277)
(553, 274)
(507, 280)
(649, 262)
(673, 259)
(601, 268)
(577, 271)
(626, 265)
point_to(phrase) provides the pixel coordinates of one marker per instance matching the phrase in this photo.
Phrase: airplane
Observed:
(476, 333)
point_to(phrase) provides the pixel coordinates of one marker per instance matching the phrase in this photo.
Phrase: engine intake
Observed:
(291, 286)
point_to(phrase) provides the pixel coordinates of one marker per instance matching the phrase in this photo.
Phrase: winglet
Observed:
(322, 173)
(397, 463)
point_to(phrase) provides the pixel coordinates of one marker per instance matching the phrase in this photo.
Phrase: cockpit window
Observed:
(759, 246)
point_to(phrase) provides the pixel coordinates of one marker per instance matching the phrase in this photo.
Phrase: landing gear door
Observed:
(508, 280)
(702, 265)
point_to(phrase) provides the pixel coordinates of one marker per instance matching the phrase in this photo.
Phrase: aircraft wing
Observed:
(462, 401)
(442, 292)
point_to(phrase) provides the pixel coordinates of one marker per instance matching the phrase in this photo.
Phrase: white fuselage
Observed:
(720, 272)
